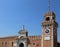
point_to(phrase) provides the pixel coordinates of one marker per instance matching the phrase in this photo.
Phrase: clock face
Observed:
(47, 31)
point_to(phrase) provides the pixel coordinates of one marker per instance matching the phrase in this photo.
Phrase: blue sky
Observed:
(15, 13)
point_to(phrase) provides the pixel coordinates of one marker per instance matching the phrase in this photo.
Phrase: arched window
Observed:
(47, 18)
(21, 37)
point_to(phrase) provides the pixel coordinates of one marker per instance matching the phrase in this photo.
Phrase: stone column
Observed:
(26, 44)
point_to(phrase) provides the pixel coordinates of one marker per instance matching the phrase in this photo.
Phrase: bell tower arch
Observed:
(21, 45)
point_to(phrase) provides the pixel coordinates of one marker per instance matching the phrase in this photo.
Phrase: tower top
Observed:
(49, 14)
(49, 19)
(22, 31)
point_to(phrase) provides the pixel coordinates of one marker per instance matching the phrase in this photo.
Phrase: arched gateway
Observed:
(21, 45)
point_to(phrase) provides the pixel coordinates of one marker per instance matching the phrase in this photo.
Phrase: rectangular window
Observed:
(12, 44)
(2, 44)
(5, 44)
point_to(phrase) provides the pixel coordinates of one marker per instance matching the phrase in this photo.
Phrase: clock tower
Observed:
(49, 30)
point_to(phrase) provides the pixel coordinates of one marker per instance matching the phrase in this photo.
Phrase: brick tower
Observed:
(49, 30)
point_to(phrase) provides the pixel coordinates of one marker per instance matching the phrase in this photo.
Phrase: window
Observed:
(2, 44)
(33, 43)
(5, 44)
(47, 18)
(22, 37)
(53, 18)
(12, 44)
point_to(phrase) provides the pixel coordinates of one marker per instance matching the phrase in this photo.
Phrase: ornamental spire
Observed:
(23, 27)
(49, 5)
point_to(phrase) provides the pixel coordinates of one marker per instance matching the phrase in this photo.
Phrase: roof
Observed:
(17, 36)
(50, 14)
(8, 37)
(22, 32)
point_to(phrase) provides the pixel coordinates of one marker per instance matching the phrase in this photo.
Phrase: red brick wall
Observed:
(35, 41)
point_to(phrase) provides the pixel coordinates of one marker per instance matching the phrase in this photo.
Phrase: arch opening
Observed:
(21, 45)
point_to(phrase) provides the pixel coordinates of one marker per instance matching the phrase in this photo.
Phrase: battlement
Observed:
(34, 37)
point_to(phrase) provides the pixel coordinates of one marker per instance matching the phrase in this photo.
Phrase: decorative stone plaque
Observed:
(47, 38)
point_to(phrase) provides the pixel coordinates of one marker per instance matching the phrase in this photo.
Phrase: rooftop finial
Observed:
(23, 27)
(49, 5)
